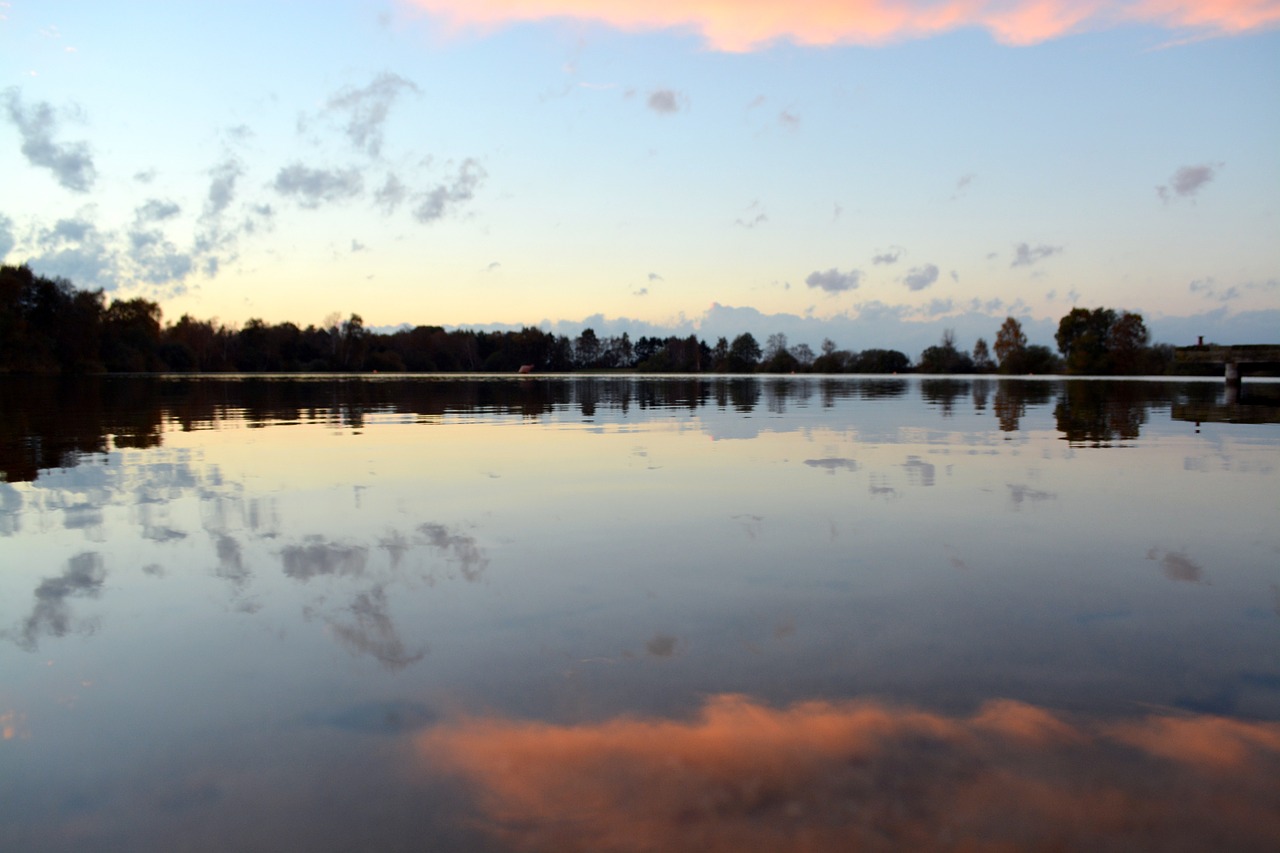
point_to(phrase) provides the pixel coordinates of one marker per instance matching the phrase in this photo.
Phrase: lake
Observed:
(623, 613)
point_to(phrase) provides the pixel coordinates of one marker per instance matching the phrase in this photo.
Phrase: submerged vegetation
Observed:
(48, 326)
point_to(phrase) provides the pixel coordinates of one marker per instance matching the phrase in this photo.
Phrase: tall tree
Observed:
(982, 356)
(777, 343)
(1011, 347)
(586, 349)
(1083, 340)
(1127, 344)
(744, 353)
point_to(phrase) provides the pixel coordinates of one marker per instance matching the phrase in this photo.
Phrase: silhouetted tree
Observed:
(131, 335)
(1082, 339)
(803, 353)
(1127, 344)
(982, 356)
(1011, 347)
(945, 358)
(586, 349)
(744, 353)
(880, 361)
(777, 358)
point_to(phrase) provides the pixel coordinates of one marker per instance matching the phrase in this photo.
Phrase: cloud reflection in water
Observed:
(822, 776)
(51, 615)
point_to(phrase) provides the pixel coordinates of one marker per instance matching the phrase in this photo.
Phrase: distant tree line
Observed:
(48, 326)
(1091, 342)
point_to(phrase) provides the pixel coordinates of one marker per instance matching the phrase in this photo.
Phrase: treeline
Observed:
(48, 326)
(1091, 342)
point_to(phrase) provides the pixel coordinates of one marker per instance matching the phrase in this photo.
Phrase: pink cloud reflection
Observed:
(826, 776)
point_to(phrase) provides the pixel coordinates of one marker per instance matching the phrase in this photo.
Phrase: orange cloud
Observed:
(822, 776)
(743, 25)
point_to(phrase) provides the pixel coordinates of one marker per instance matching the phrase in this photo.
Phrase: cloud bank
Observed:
(738, 27)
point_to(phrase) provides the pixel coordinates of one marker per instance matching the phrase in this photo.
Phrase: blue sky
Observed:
(874, 171)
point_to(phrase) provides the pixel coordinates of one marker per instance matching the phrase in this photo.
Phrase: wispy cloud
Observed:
(1209, 288)
(311, 188)
(156, 210)
(70, 162)
(834, 281)
(752, 216)
(366, 109)
(222, 186)
(889, 256)
(918, 278)
(750, 26)
(1024, 255)
(665, 101)
(438, 202)
(1187, 182)
(391, 194)
(7, 240)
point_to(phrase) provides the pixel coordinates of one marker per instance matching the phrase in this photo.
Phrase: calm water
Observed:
(618, 614)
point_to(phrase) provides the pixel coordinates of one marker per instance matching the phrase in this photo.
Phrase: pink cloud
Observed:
(744, 25)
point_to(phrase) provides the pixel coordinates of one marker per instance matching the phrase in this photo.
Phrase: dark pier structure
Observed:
(1238, 407)
(1231, 358)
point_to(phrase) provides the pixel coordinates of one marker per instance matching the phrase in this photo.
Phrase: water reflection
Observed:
(831, 776)
(48, 425)
(52, 616)
(1177, 566)
(222, 599)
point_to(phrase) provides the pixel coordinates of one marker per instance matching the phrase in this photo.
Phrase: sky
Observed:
(873, 171)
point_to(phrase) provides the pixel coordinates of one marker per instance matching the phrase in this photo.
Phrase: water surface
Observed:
(619, 613)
